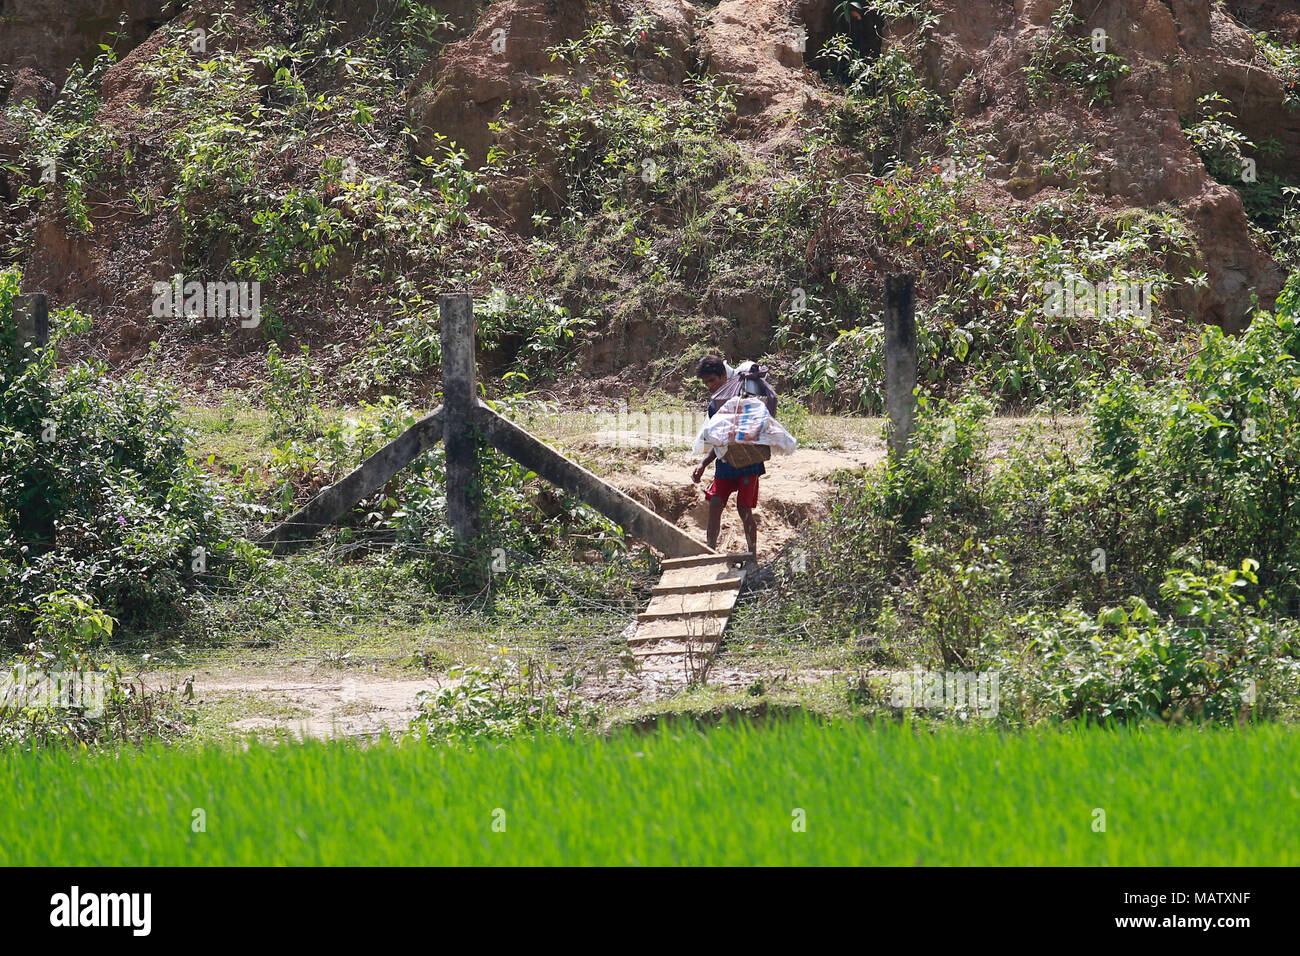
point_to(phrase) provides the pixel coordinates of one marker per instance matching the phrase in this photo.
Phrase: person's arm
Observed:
(699, 470)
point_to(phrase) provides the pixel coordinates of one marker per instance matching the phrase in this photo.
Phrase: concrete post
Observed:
(900, 360)
(459, 399)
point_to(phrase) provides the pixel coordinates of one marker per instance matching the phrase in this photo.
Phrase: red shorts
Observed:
(746, 489)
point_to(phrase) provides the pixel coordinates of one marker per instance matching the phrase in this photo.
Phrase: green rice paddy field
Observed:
(791, 792)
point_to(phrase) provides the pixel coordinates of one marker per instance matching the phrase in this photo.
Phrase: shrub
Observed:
(1208, 462)
(97, 494)
(500, 700)
(1076, 61)
(61, 694)
(1209, 656)
(1054, 563)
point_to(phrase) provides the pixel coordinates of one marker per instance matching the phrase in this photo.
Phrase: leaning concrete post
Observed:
(900, 361)
(459, 398)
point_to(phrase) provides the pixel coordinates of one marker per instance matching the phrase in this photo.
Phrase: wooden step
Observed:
(678, 629)
(704, 603)
(676, 632)
(699, 587)
(682, 580)
(699, 559)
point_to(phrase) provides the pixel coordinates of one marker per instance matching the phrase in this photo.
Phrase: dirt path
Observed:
(301, 700)
(794, 492)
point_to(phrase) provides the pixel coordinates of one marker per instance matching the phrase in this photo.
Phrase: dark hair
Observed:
(712, 365)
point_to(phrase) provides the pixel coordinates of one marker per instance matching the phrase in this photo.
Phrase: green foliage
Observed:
(515, 532)
(100, 515)
(614, 140)
(1207, 462)
(291, 394)
(1080, 62)
(71, 153)
(1212, 657)
(97, 494)
(990, 318)
(231, 116)
(61, 694)
(941, 476)
(531, 335)
(963, 597)
(1093, 577)
(917, 11)
(505, 699)
(865, 545)
(1284, 60)
(301, 234)
(424, 31)
(1231, 157)
(889, 109)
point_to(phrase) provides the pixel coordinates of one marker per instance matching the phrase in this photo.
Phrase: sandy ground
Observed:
(306, 701)
(312, 701)
(793, 492)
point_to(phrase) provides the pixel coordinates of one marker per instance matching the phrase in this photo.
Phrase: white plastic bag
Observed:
(744, 421)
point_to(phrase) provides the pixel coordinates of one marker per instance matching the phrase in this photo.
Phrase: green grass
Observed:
(871, 795)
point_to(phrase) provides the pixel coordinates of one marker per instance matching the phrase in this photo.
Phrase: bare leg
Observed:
(748, 519)
(716, 506)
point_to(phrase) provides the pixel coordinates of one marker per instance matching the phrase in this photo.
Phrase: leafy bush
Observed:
(864, 548)
(1207, 462)
(1053, 564)
(501, 700)
(991, 318)
(1210, 657)
(532, 335)
(1230, 156)
(1079, 62)
(889, 109)
(70, 147)
(61, 694)
(97, 494)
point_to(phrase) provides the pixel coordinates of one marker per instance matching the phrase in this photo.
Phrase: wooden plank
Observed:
(638, 520)
(698, 579)
(687, 634)
(695, 561)
(694, 588)
(704, 603)
(677, 628)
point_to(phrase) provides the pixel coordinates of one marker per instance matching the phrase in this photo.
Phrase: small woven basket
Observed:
(742, 456)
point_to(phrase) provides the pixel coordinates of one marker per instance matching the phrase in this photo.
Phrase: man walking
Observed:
(715, 373)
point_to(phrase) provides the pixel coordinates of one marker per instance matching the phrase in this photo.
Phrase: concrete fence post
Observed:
(459, 398)
(900, 360)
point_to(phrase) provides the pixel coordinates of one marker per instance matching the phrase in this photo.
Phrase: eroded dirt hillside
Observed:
(628, 182)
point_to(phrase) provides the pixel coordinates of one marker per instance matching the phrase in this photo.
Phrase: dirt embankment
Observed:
(793, 493)
(484, 89)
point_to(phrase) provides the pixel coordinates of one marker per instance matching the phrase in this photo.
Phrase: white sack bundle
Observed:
(745, 421)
